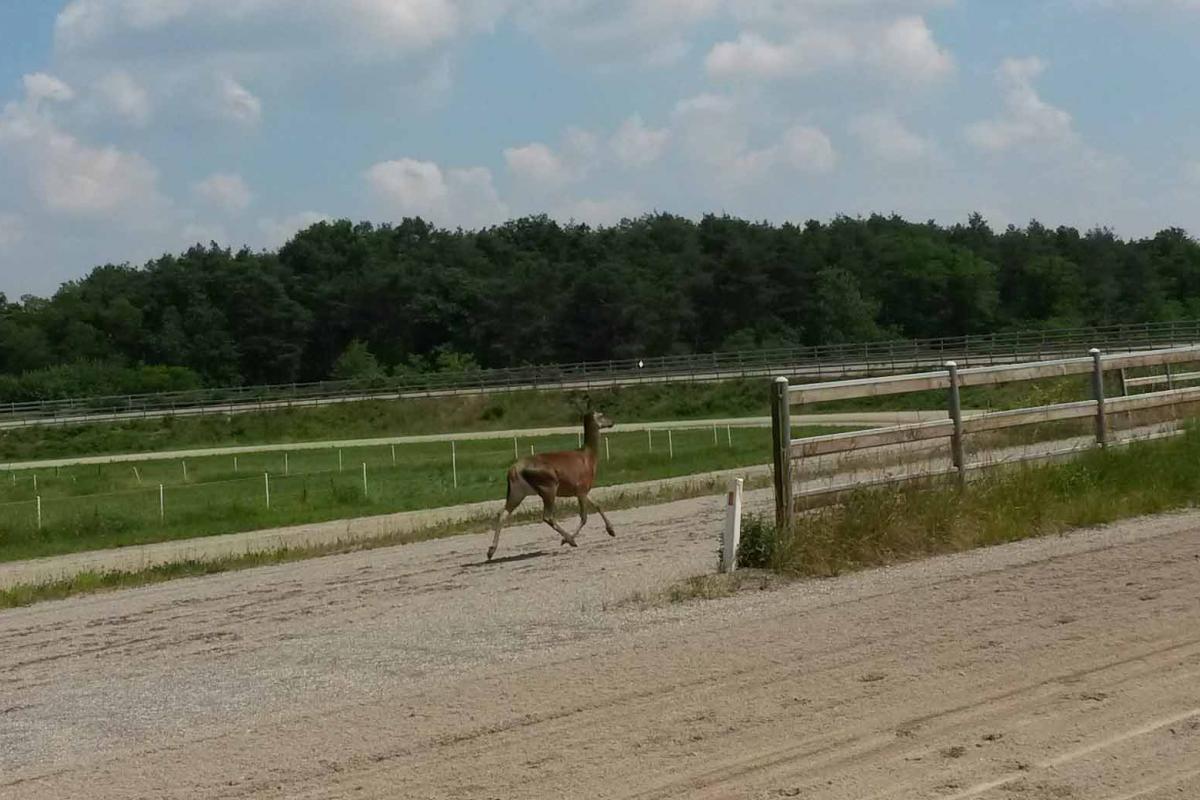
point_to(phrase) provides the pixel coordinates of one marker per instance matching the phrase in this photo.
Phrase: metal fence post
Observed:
(733, 527)
(781, 435)
(1098, 392)
(956, 441)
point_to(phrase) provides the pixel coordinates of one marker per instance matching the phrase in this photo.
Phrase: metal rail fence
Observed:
(823, 362)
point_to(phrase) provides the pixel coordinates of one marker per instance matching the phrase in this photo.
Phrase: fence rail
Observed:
(823, 362)
(955, 427)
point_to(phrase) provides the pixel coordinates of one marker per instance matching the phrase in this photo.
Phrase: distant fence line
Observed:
(788, 453)
(823, 362)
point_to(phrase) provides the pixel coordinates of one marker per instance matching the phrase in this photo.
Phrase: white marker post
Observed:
(607, 452)
(649, 440)
(162, 503)
(670, 445)
(516, 452)
(137, 475)
(39, 511)
(364, 479)
(340, 461)
(729, 434)
(267, 484)
(235, 465)
(286, 467)
(454, 463)
(733, 527)
(184, 471)
(716, 441)
(393, 455)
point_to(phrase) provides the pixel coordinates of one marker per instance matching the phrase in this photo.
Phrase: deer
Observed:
(569, 473)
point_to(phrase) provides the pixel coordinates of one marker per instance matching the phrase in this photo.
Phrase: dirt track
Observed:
(1061, 668)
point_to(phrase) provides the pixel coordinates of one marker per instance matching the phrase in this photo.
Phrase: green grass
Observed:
(883, 526)
(100, 581)
(373, 419)
(117, 505)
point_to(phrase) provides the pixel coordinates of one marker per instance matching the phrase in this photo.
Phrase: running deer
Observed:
(550, 476)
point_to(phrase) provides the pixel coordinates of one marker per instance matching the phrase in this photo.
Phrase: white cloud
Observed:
(752, 56)
(901, 49)
(455, 197)
(226, 191)
(716, 132)
(888, 139)
(39, 86)
(635, 145)
(806, 149)
(277, 232)
(236, 103)
(1028, 119)
(537, 164)
(12, 229)
(71, 177)
(616, 32)
(908, 51)
(125, 97)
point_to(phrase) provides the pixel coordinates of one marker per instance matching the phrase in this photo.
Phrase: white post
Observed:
(716, 441)
(607, 452)
(516, 452)
(531, 450)
(137, 475)
(35, 483)
(286, 467)
(454, 463)
(670, 444)
(267, 484)
(39, 511)
(733, 527)
(162, 503)
(393, 455)
(235, 464)
(339, 460)
(364, 479)
(184, 471)
(729, 434)
(649, 440)
(580, 437)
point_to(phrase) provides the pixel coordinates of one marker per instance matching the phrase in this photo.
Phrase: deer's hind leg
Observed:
(582, 513)
(518, 490)
(548, 495)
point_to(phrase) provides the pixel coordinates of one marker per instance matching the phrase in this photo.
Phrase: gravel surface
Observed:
(1058, 668)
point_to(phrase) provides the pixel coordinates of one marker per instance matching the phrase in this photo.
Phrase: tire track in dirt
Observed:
(418, 672)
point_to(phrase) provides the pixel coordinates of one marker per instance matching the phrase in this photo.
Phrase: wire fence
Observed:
(827, 361)
(129, 503)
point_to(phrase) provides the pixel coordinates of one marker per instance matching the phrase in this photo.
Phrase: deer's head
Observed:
(599, 419)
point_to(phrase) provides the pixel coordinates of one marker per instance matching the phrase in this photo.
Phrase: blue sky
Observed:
(129, 128)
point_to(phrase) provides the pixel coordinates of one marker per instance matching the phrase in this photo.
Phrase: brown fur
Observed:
(569, 473)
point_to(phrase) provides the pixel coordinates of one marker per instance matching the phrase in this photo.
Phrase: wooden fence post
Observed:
(1098, 392)
(1124, 384)
(733, 527)
(956, 441)
(781, 436)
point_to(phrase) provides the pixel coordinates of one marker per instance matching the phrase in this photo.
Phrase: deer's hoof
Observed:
(611, 532)
(491, 552)
(570, 542)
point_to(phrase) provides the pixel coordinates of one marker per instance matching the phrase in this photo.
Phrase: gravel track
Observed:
(1058, 668)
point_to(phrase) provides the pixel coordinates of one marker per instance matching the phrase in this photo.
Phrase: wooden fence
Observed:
(788, 453)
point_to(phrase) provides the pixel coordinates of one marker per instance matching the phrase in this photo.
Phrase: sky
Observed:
(132, 128)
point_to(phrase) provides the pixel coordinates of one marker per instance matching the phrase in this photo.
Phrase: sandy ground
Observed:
(1058, 668)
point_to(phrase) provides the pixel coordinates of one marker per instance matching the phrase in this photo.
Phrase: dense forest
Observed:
(344, 299)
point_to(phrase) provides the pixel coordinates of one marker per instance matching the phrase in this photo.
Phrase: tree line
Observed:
(345, 300)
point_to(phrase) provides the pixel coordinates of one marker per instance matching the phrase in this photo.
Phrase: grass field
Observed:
(374, 419)
(114, 505)
(879, 526)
